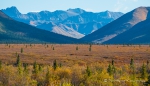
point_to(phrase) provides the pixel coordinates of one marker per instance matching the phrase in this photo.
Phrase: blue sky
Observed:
(25, 6)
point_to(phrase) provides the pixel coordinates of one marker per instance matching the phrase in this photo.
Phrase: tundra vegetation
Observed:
(74, 65)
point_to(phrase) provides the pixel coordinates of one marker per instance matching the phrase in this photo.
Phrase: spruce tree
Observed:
(21, 50)
(77, 48)
(35, 68)
(110, 70)
(144, 72)
(25, 68)
(47, 78)
(20, 70)
(90, 49)
(88, 71)
(40, 67)
(18, 60)
(60, 65)
(132, 63)
(132, 69)
(55, 64)
(34, 65)
(147, 83)
(112, 62)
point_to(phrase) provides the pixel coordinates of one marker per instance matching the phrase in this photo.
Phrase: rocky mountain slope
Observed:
(12, 31)
(74, 23)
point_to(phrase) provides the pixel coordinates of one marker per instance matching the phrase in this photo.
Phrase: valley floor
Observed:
(77, 65)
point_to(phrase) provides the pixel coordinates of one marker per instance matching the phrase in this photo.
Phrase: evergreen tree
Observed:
(112, 62)
(88, 71)
(77, 48)
(60, 65)
(35, 68)
(40, 67)
(144, 72)
(147, 83)
(16, 54)
(132, 63)
(90, 48)
(21, 50)
(18, 60)
(113, 66)
(132, 69)
(20, 70)
(47, 78)
(55, 65)
(34, 65)
(25, 68)
(110, 70)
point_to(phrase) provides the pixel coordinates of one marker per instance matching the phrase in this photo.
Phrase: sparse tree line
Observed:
(21, 74)
(55, 74)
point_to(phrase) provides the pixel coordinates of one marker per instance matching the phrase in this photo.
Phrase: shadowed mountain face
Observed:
(138, 34)
(12, 31)
(74, 23)
(130, 28)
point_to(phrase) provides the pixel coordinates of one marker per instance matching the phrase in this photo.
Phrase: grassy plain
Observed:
(68, 54)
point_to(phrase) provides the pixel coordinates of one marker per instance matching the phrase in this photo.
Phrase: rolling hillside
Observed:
(12, 31)
(130, 28)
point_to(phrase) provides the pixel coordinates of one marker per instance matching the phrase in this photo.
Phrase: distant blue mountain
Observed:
(12, 31)
(74, 23)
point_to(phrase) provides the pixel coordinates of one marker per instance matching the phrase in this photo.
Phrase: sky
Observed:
(25, 6)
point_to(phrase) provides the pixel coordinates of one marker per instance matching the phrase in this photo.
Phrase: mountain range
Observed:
(12, 31)
(75, 23)
(133, 27)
